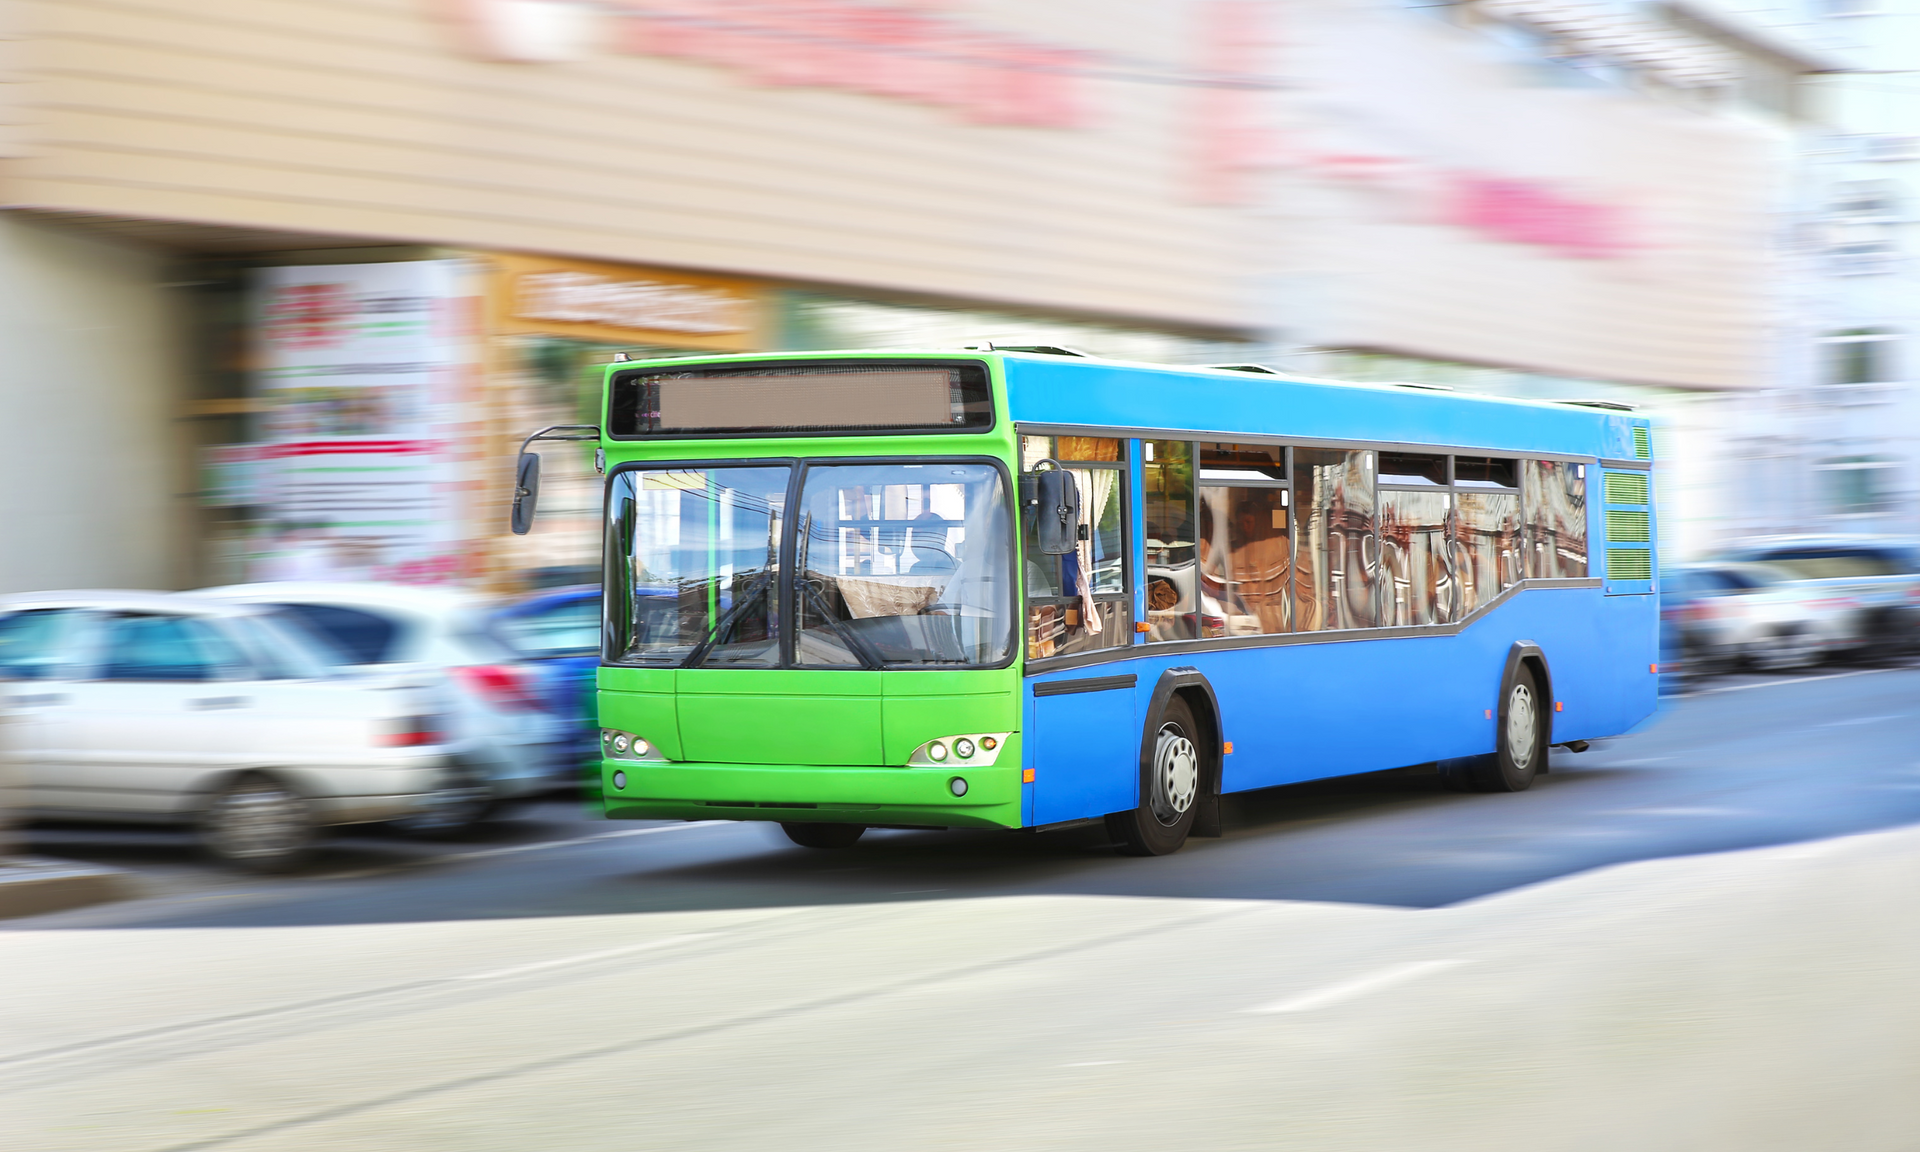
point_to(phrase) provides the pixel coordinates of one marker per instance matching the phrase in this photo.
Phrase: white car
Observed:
(155, 707)
(499, 728)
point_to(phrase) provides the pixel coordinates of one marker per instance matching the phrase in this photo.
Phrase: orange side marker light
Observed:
(1026, 776)
(1489, 713)
(1227, 748)
(1559, 706)
(1654, 668)
(1139, 625)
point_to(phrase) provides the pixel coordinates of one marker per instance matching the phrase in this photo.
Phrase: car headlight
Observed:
(618, 745)
(975, 750)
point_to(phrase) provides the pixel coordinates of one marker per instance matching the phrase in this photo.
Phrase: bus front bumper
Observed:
(920, 797)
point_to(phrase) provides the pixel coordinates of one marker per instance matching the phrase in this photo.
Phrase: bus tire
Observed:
(1521, 748)
(1171, 781)
(824, 835)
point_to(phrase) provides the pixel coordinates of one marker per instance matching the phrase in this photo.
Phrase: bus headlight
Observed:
(619, 745)
(977, 749)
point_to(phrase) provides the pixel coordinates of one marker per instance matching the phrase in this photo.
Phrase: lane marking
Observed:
(1859, 720)
(538, 846)
(585, 957)
(1360, 986)
(1795, 680)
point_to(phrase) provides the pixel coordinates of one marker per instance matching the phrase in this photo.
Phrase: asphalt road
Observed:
(1745, 762)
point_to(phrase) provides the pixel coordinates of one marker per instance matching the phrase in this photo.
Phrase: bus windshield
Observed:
(898, 565)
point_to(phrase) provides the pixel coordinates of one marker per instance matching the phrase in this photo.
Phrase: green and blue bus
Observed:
(1023, 588)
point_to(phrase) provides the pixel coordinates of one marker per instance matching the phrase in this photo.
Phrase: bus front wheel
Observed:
(824, 835)
(1170, 784)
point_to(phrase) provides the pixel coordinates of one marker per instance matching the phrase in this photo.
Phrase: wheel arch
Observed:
(214, 783)
(1527, 654)
(1191, 685)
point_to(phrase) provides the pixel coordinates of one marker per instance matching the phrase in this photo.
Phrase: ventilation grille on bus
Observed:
(1624, 527)
(1629, 564)
(1642, 444)
(1626, 488)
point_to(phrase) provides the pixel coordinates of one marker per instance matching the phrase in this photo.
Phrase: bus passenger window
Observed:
(1066, 614)
(1486, 545)
(1244, 562)
(1556, 502)
(1168, 482)
(1335, 546)
(1484, 472)
(1416, 580)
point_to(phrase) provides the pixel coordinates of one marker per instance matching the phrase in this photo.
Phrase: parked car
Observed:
(558, 633)
(1728, 614)
(1874, 579)
(154, 707)
(500, 730)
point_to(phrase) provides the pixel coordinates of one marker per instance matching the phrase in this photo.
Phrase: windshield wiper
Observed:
(753, 595)
(855, 644)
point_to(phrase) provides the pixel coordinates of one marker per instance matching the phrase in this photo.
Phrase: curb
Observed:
(32, 885)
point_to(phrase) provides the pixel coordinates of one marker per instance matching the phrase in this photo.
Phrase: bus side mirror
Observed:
(1058, 520)
(526, 492)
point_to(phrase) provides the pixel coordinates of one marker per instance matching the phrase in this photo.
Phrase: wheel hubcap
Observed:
(1176, 775)
(1522, 728)
(259, 821)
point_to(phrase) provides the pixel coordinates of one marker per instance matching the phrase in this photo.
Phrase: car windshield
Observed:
(565, 628)
(898, 565)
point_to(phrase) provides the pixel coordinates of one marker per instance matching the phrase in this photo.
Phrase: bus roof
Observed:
(1083, 391)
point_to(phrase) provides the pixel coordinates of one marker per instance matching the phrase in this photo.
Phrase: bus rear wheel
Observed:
(1170, 784)
(824, 835)
(1522, 749)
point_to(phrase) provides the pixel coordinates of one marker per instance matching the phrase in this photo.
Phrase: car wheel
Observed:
(824, 835)
(257, 823)
(1170, 785)
(461, 801)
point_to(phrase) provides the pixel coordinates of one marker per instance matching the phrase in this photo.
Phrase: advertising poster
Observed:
(359, 374)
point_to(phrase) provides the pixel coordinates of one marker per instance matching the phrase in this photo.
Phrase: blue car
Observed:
(557, 632)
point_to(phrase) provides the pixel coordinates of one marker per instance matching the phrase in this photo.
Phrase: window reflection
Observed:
(1556, 495)
(1416, 576)
(1334, 539)
(1065, 614)
(1167, 477)
(1486, 545)
(1244, 561)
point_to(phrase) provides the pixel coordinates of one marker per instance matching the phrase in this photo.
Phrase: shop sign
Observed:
(584, 298)
(360, 373)
(613, 304)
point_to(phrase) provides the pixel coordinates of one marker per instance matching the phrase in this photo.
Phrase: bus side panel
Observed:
(1303, 712)
(1309, 711)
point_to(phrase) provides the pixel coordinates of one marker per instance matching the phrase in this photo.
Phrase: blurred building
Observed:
(1834, 443)
(1559, 199)
(289, 281)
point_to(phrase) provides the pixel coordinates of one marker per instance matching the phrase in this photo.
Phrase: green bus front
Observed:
(811, 592)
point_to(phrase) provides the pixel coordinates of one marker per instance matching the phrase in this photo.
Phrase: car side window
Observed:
(363, 637)
(38, 644)
(159, 647)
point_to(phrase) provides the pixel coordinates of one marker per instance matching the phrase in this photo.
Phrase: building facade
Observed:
(1555, 199)
(351, 250)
